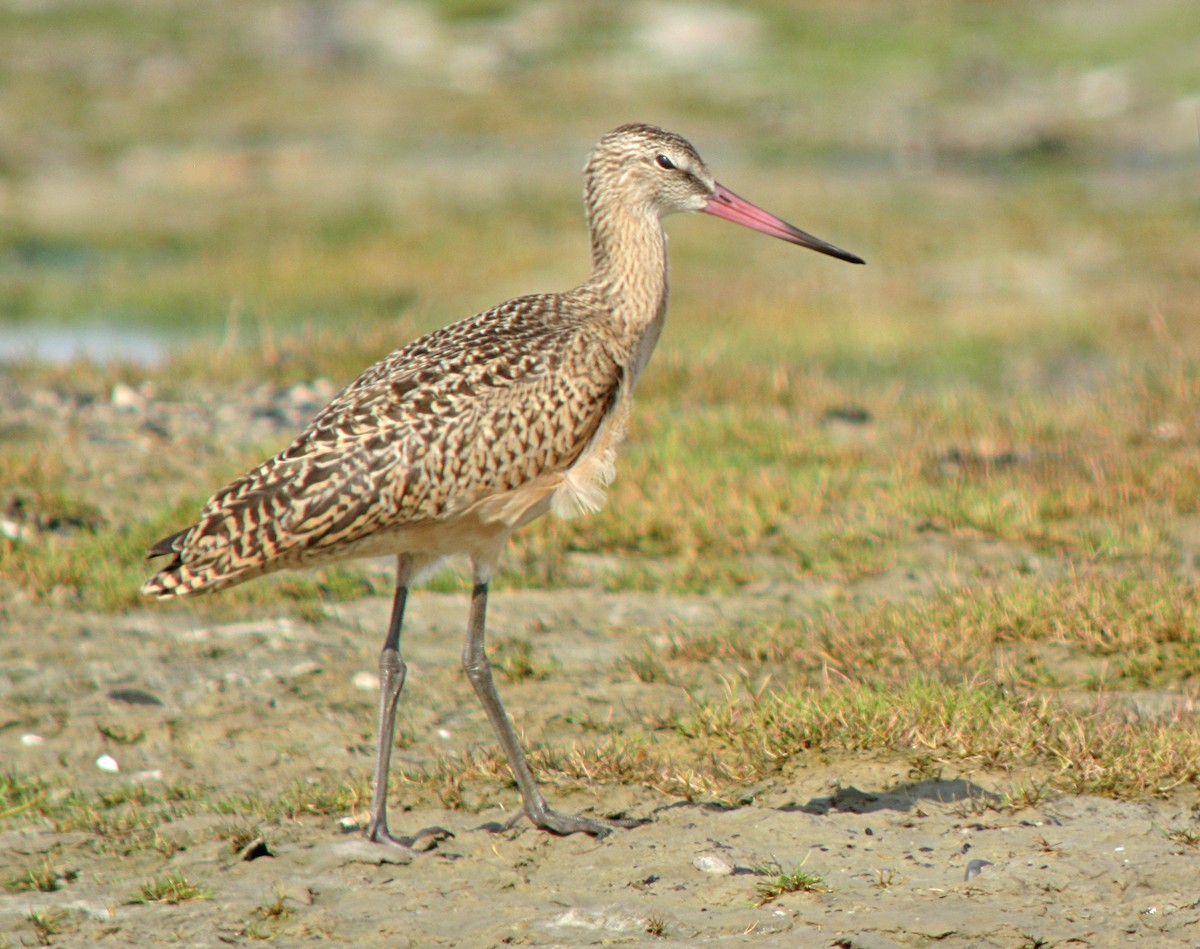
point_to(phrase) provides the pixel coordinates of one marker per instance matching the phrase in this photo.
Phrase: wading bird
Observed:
(454, 441)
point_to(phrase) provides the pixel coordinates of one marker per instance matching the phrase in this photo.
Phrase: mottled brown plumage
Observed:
(457, 439)
(453, 424)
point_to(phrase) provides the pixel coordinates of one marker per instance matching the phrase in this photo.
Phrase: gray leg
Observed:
(392, 670)
(479, 671)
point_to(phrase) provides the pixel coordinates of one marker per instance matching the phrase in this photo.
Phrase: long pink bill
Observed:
(724, 203)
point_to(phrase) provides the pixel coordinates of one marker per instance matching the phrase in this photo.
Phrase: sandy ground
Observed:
(260, 704)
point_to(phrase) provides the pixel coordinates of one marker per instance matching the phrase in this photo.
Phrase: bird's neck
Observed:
(629, 265)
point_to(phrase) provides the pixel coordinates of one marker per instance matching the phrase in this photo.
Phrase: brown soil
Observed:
(255, 706)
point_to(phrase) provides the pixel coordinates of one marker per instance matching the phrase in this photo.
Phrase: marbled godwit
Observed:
(455, 440)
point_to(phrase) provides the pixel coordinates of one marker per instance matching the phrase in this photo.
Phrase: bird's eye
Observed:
(664, 162)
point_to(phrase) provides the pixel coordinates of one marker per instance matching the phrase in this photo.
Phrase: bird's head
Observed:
(647, 167)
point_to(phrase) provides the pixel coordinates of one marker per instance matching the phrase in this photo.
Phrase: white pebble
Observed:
(367, 681)
(127, 397)
(613, 921)
(14, 530)
(715, 863)
(31, 740)
(108, 763)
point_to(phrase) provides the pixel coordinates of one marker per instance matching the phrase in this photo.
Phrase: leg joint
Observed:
(391, 662)
(476, 665)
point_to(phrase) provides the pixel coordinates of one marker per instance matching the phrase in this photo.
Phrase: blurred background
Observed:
(1021, 176)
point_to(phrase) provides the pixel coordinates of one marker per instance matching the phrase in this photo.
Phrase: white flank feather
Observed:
(582, 488)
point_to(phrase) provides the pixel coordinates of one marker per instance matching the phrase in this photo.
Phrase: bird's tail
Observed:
(181, 578)
(176, 580)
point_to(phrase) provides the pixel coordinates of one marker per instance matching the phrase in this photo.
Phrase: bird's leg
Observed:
(479, 671)
(392, 670)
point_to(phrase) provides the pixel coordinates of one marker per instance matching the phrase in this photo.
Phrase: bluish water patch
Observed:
(60, 344)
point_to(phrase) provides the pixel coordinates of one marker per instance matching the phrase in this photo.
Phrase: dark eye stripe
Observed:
(664, 162)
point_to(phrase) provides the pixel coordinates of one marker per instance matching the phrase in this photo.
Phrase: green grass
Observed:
(1088, 753)
(1186, 836)
(277, 910)
(780, 882)
(316, 796)
(44, 877)
(49, 924)
(1022, 629)
(708, 498)
(517, 660)
(173, 889)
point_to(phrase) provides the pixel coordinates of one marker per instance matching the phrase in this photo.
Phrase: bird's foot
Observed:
(564, 824)
(421, 842)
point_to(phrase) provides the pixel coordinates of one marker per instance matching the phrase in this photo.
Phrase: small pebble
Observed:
(305, 668)
(367, 681)
(126, 397)
(255, 849)
(609, 921)
(31, 740)
(14, 530)
(849, 414)
(975, 867)
(96, 911)
(714, 863)
(135, 697)
(108, 763)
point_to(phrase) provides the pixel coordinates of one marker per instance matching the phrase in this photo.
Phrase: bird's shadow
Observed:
(849, 799)
(904, 797)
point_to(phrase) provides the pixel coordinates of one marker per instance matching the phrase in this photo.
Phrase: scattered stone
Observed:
(1168, 431)
(959, 461)
(15, 530)
(305, 668)
(366, 681)
(848, 414)
(975, 867)
(92, 910)
(255, 849)
(153, 427)
(607, 920)
(108, 763)
(709, 861)
(849, 424)
(135, 697)
(127, 398)
(360, 850)
(32, 741)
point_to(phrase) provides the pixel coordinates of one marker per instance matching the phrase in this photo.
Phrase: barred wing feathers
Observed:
(472, 411)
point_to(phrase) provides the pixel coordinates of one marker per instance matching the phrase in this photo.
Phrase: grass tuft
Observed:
(517, 661)
(276, 910)
(43, 878)
(172, 889)
(1092, 753)
(782, 882)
